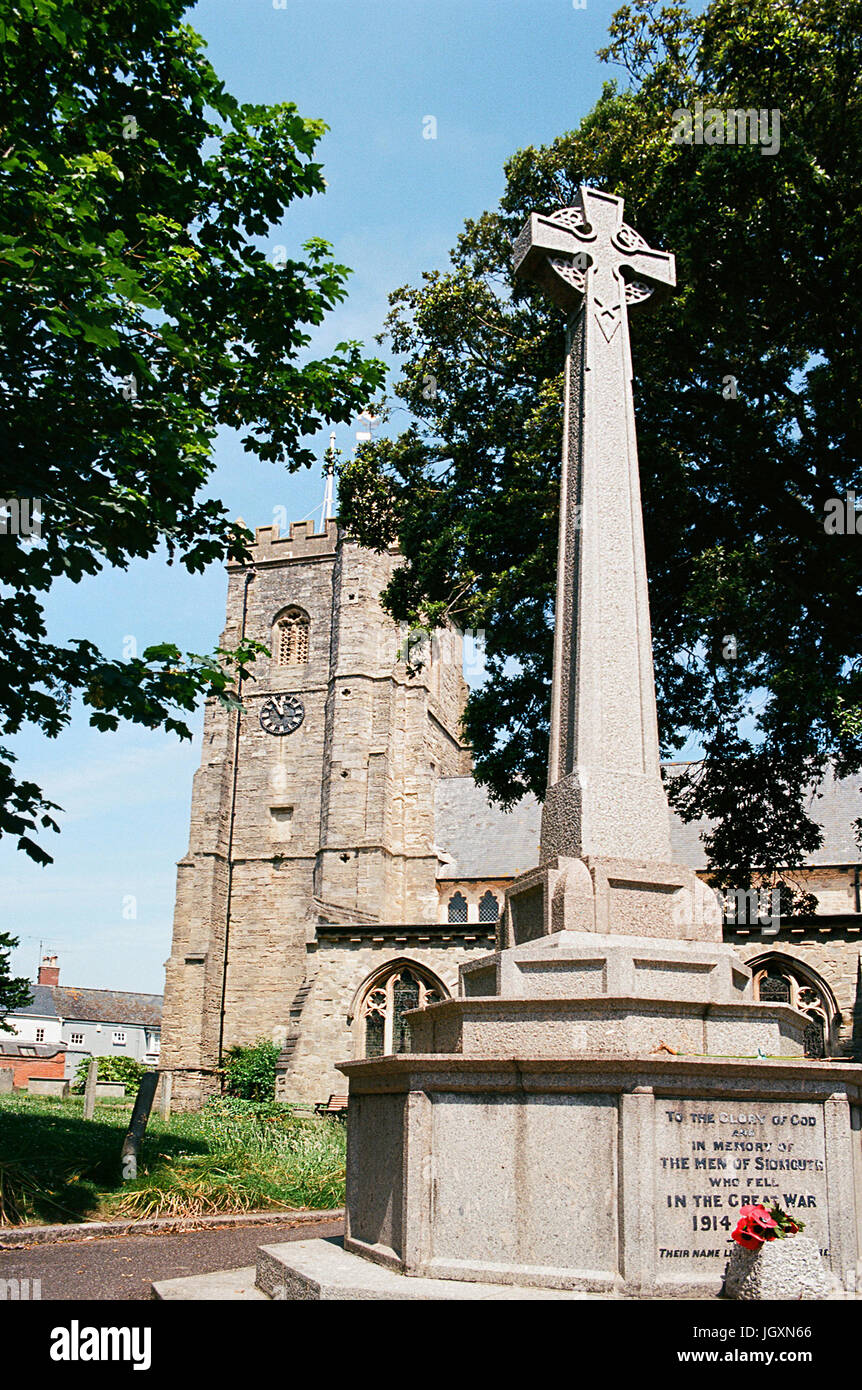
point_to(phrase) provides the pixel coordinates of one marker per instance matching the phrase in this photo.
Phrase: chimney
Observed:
(49, 971)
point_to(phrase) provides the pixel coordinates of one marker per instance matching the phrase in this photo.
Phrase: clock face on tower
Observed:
(282, 714)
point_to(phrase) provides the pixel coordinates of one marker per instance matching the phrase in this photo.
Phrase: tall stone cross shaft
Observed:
(605, 796)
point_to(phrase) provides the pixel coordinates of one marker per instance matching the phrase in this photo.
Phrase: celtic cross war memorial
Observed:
(604, 1095)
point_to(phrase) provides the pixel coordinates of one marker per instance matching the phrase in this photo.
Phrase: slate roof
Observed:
(108, 1006)
(11, 1047)
(93, 1005)
(42, 1004)
(834, 805)
(477, 840)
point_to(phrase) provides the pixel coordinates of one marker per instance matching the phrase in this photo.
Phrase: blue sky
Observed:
(496, 75)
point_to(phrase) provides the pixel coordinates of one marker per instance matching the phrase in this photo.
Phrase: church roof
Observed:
(834, 805)
(476, 839)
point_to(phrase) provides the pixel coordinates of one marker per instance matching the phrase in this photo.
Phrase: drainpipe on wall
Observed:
(249, 576)
(856, 888)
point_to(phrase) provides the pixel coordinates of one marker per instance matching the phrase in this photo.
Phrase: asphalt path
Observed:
(124, 1267)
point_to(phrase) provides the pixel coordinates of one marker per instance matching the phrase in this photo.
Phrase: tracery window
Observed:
(290, 637)
(457, 908)
(489, 907)
(778, 980)
(384, 1029)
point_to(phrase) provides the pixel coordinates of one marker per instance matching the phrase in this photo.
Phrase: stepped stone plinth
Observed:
(608, 995)
(611, 895)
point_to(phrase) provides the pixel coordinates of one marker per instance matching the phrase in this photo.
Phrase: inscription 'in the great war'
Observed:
(712, 1161)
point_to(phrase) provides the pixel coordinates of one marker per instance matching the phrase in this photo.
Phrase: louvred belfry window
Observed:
(290, 643)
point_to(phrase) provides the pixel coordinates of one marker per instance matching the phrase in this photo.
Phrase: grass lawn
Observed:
(232, 1156)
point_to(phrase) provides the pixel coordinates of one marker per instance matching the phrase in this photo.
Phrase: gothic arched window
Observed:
(290, 637)
(489, 908)
(779, 979)
(383, 1028)
(457, 908)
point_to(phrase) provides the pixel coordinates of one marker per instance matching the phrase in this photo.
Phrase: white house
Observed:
(91, 1022)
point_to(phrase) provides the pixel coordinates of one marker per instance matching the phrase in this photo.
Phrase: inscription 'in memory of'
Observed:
(711, 1160)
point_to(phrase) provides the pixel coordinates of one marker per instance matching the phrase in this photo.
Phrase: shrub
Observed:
(249, 1072)
(124, 1069)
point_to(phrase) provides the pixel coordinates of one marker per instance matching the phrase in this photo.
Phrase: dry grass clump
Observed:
(231, 1156)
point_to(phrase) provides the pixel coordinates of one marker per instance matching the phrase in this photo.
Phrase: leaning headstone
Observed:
(7, 1080)
(90, 1088)
(137, 1125)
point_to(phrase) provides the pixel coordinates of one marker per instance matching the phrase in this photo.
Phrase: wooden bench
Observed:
(336, 1105)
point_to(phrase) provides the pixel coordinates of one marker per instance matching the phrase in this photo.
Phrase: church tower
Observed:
(315, 803)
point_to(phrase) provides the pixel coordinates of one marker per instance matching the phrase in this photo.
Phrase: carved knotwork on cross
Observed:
(588, 252)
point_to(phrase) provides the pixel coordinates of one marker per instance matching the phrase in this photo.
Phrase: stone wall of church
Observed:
(473, 892)
(829, 945)
(278, 798)
(193, 974)
(834, 888)
(329, 1031)
(390, 732)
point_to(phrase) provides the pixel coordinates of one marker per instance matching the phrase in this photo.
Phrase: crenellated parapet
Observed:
(300, 543)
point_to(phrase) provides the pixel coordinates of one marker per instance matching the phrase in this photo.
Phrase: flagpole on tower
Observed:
(329, 495)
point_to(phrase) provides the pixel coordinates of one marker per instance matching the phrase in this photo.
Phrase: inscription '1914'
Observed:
(710, 1161)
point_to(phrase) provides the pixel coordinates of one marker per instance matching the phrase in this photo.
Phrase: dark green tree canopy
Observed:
(15, 992)
(749, 409)
(137, 316)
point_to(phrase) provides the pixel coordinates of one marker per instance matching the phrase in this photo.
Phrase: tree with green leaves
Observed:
(15, 992)
(749, 405)
(139, 313)
(249, 1072)
(127, 1070)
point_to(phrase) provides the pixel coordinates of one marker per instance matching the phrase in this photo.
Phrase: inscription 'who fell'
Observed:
(718, 1161)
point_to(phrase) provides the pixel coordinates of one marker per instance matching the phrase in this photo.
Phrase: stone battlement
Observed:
(301, 541)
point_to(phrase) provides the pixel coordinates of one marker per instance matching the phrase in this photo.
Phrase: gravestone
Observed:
(110, 1090)
(47, 1086)
(90, 1088)
(591, 1112)
(7, 1080)
(165, 1093)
